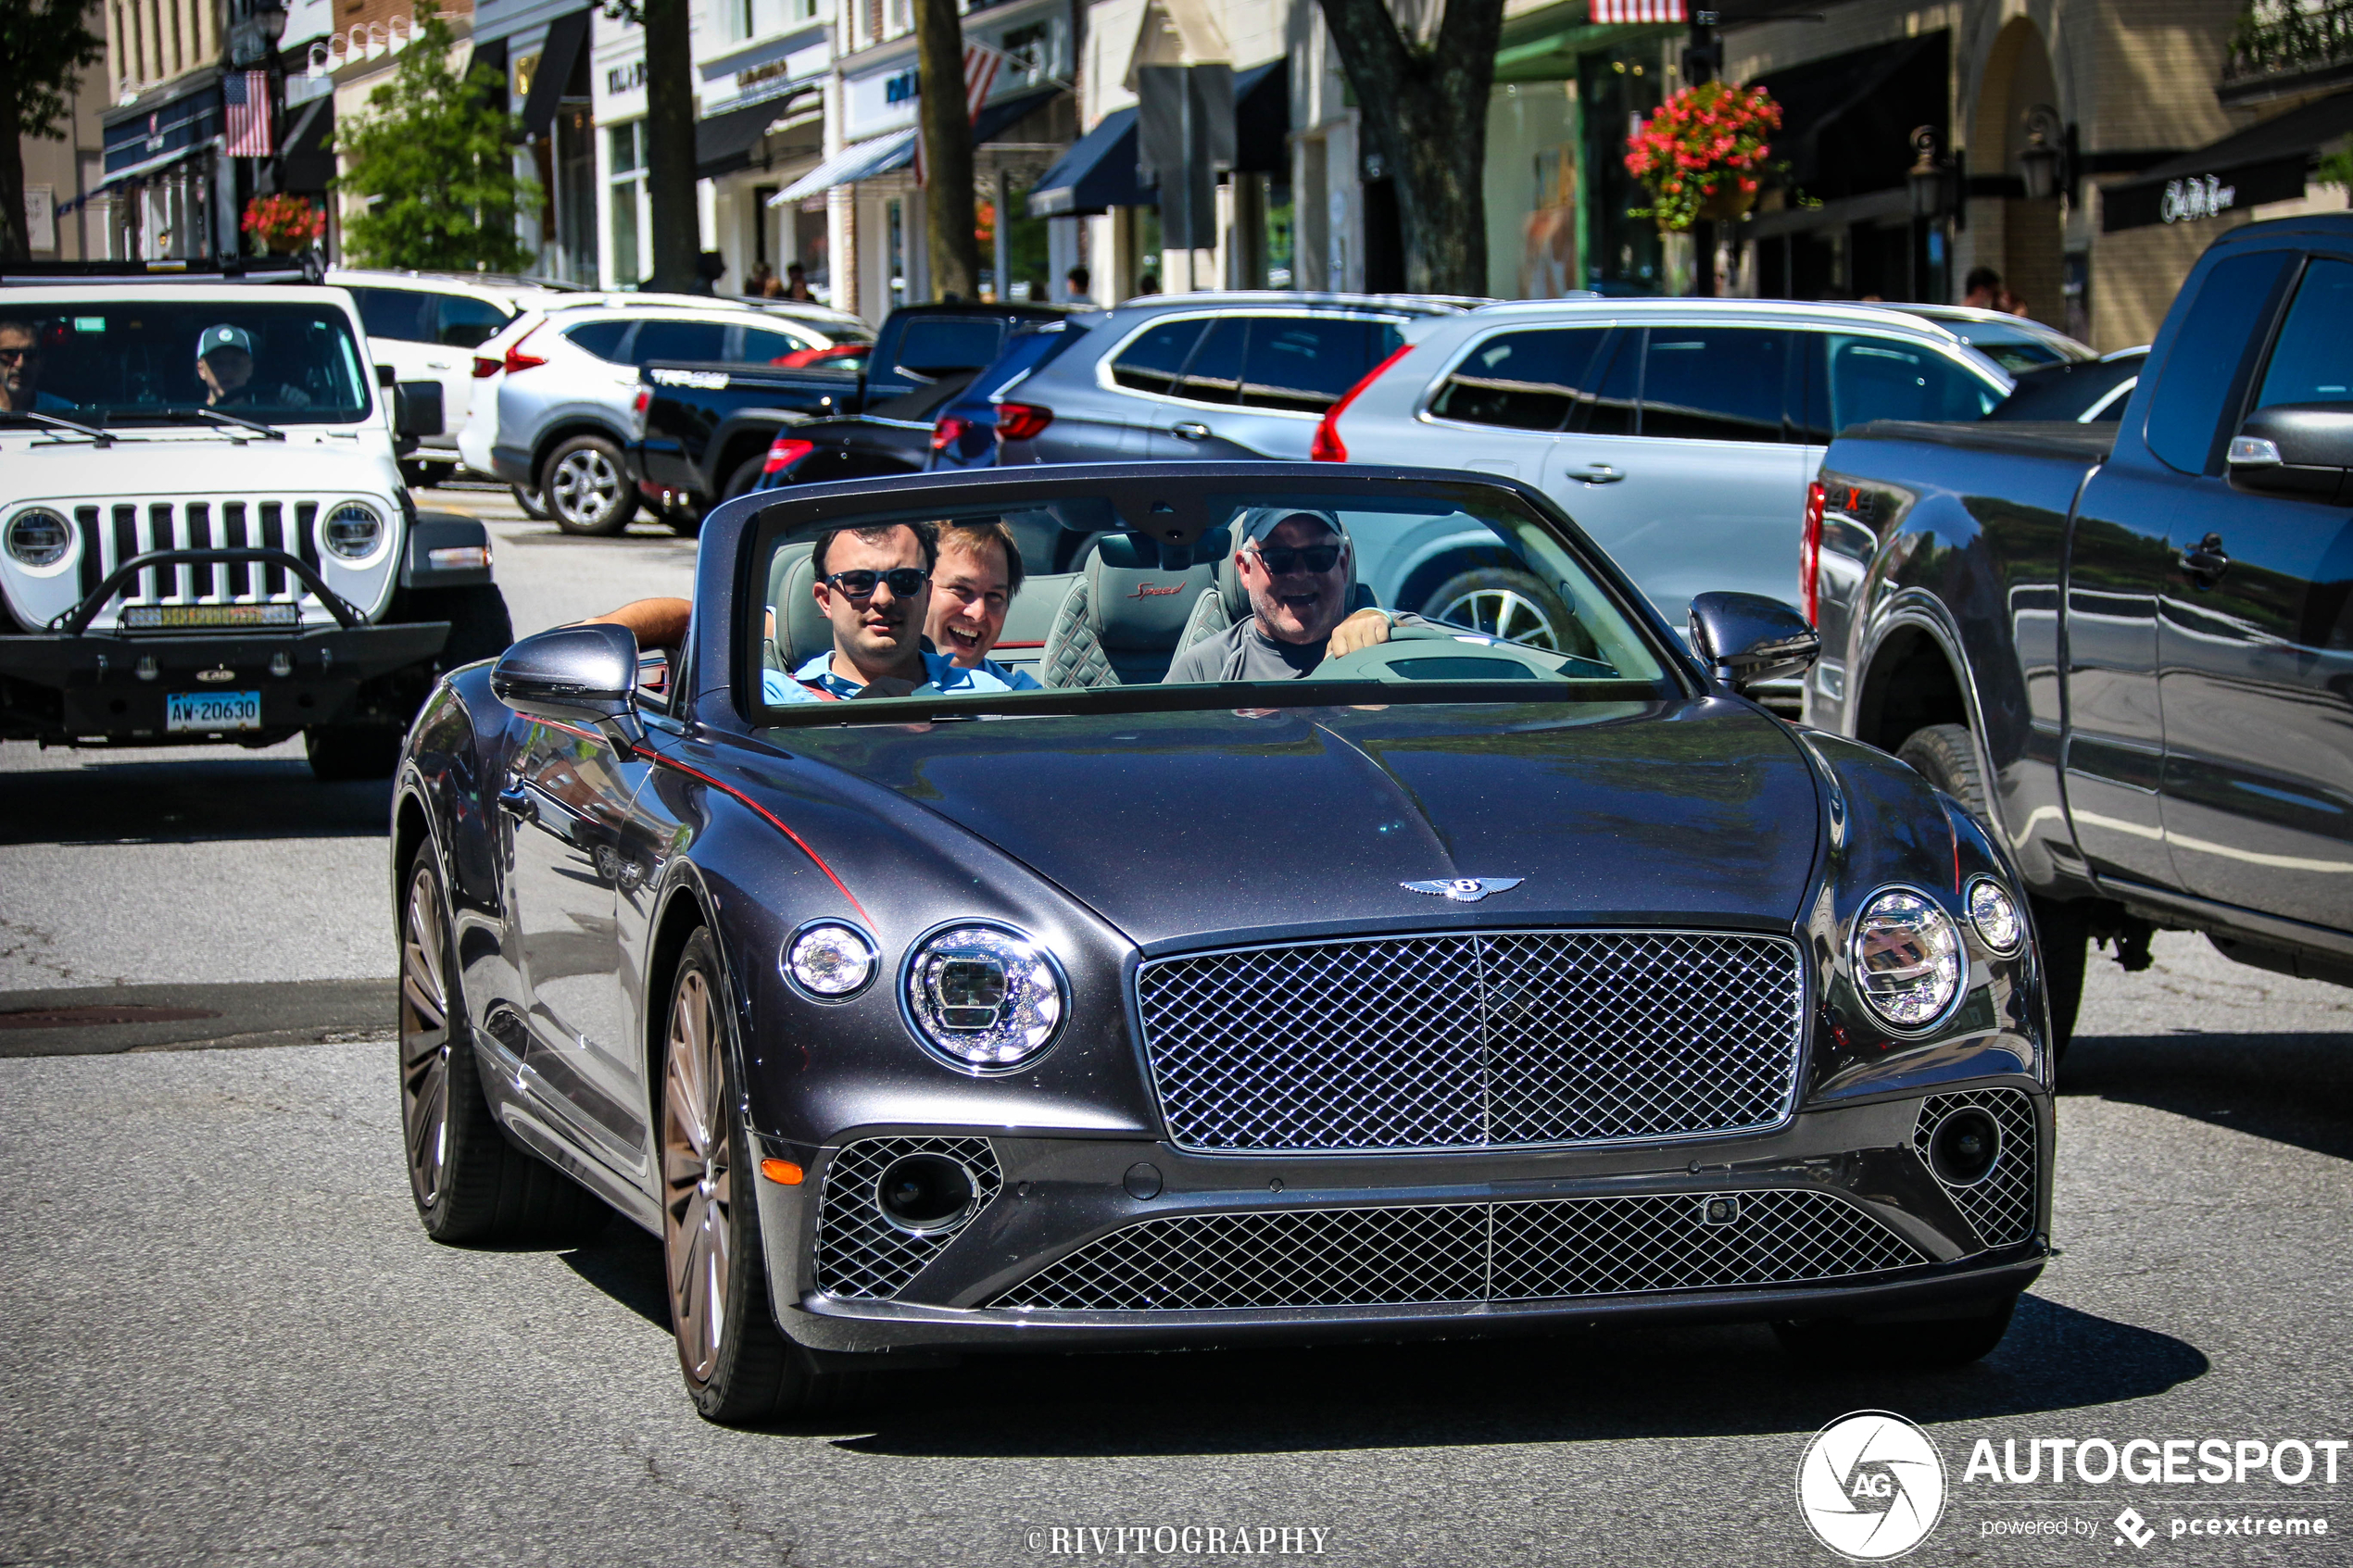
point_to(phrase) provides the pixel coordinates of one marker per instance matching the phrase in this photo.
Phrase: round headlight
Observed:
(829, 962)
(39, 537)
(353, 530)
(986, 997)
(1994, 913)
(1907, 958)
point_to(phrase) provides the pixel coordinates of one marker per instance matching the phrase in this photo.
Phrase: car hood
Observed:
(177, 461)
(1176, 825)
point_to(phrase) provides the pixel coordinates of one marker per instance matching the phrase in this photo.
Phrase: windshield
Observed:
(2013, 348)
(1455, 593)
(156, 359)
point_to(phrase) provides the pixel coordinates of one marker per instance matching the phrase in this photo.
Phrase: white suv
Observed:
(1681, 434)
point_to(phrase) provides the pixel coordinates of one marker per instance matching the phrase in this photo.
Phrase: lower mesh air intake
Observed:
(2001, 1206)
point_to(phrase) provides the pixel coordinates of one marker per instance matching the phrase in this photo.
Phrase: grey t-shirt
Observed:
(1243, 652)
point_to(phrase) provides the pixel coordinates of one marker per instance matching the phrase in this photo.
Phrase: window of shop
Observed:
(632, 220)
(1622, 255)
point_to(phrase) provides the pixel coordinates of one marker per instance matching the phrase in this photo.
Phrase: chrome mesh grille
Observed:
(1506, 1038)
(114, 532)
(1537, 1250)
(2002, 1207)
(863, 1256)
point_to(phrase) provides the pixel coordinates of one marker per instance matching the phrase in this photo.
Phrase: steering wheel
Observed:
(1413, 655)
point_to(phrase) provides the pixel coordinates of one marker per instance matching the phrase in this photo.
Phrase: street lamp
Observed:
(2040, 163)
(1926, 176)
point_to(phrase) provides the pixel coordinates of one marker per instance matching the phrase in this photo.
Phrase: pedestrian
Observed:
(1147, 283)
(709, 269)
(1982, 288)
(761, 283)
(796, 284)
(1080, 283)
(2012, 304)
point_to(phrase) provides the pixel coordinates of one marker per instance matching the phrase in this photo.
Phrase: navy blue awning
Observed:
(152, 136)
(1097, 174)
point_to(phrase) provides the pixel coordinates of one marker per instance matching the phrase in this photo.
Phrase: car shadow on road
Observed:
(186, 801)
(2290, 1088)
(1580, 1385)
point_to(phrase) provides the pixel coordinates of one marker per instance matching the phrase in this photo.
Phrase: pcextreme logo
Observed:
(1870, 1486)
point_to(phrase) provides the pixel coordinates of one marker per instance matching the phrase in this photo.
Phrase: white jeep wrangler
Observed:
(204, 536)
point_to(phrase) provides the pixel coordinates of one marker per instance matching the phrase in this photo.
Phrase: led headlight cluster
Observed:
(829, 962)
(985, 997)
(1907, 958)
(38, 537)
(353, 530)
(1994, 913)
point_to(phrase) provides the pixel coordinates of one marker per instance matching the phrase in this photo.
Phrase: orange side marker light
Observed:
(783, 1172)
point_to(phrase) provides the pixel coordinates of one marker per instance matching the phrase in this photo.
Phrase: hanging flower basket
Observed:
(1703, 155)
(284, 224)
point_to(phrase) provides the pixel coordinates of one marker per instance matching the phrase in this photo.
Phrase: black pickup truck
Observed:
(2129, 648)
(704, 429)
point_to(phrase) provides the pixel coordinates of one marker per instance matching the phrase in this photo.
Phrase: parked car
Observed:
(204, 536)
(426, 326)
(2017, 343)
(2125, 645)
(1549, 990)
(1680, 433)
(566, 389)
(706, 431)
(2083, 392)
(1211, 375)
(965, 431)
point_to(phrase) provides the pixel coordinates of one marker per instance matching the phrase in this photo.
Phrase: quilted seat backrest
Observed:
(1121, 619)
(801, 633)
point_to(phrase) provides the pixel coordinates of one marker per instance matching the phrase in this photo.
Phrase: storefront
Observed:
(169, 191)
(764, 127)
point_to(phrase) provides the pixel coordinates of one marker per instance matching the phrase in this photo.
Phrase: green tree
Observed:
(43, 50)
(1425, 107)
(436, 163)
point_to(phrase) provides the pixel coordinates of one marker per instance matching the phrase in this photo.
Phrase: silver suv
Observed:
(1680, 433)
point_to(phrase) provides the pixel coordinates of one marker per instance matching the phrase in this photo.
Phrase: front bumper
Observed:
(1835, 1215)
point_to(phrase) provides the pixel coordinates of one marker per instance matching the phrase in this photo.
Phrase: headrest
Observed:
(801, 631)
(1257, 524)
(1135, 601)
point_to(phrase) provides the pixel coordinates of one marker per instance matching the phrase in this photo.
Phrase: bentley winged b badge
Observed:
(1464, 889)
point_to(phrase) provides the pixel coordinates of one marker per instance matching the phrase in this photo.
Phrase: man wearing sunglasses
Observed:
(1296, 568)
(21, 373)
(873, 584)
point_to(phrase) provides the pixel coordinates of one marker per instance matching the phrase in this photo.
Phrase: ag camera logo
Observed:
(1870, 1486)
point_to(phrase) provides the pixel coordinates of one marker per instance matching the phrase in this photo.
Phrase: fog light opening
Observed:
(925, 1194)
(1965, 1147)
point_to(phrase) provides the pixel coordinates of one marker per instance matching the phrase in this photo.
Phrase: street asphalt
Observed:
(229, 1340)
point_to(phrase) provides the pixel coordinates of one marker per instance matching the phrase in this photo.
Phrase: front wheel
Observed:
(1838, 1345)
(586, 489)
(738, 1365)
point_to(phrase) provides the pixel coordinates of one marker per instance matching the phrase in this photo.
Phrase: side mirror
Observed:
(2296, 449)
(574, 675)
(1747, 638)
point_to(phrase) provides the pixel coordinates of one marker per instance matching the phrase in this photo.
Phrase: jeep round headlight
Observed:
(829, 962)
(353, 530)
(986, 997)
(1994, 913)
(1907, 958)
(39, 537)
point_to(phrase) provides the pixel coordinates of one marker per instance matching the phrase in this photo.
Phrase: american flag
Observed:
(1637, 11)
(245, 95)
(981, 65)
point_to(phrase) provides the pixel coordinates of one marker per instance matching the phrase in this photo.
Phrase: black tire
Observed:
(417, 476)
(533, 507)
(340, 753)
(1838, 1345)
(1946, 756)
(746, 479)
(587, 488)
(1511, 605)
(469, 1183)
(737, 1364)
(479, 625)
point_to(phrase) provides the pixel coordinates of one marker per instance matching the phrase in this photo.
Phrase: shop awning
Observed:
(880, 155)
(567, 36)
(731, 141)
(1097, 174)
(309, 158)
(148, 137)
(1847, 120)
(2267, 162)
(1261, 117)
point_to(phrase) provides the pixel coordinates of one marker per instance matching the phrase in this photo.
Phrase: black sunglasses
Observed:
(903, 581)
(1316, 558)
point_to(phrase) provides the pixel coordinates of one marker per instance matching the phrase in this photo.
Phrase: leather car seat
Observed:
(801, 631)
(1120, 620)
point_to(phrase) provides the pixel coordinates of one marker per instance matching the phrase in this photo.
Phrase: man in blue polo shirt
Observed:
(874, 586)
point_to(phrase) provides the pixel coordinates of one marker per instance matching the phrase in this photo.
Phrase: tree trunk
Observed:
(670, 148)
(15, 245)
(948, 150)
(1426, 109)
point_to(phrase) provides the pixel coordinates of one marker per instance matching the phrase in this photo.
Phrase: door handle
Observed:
(517, 803)
(1191, 430)
(2204, 562)
(1597, 474)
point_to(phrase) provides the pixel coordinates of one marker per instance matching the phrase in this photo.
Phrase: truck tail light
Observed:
(950, 430)
(1809, 554)
(517, 359)
(1328, 447)
(643, 401)
(1021, 421)
(783, 453)
(486, 367)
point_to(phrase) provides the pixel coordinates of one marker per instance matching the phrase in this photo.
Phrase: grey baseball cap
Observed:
(224, 337)
(1260, 521)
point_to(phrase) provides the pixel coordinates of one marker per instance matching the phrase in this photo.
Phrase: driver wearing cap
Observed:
(224, 363)
(1296, 568)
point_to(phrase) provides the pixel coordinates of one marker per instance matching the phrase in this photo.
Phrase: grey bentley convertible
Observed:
(1244, 972)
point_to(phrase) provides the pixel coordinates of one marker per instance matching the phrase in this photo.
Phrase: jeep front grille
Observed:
(1538, 1250)
(1478, 1039)
(115, 531)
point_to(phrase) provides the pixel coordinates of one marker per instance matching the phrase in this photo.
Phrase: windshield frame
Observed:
(767, 517)
(317, 306)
